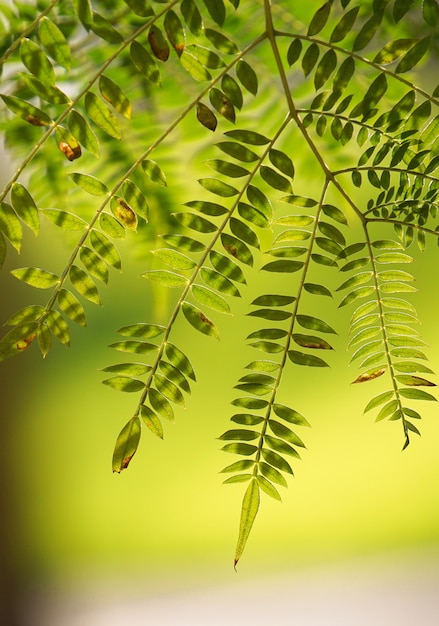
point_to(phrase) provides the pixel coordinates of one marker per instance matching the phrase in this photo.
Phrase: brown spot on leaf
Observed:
(22, 344)
(35, 121)
(71, 152)
(364, 378)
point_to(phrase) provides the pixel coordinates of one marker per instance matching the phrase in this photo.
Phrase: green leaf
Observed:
(237, 151)
(199, 320)
(247, 419)
(45, 92)
(276, 460)
(206, 116)
(289, 415)
(294, 51)
(250, 403)
(180, 360)
(136, 347)
(111, 226)
(430, 12)
(105, 248)
(142, 330)
(174, 375)
(151, 421)
(274, 179)
(104, 29)
(17, 340)
(70, 305)
(232, 90)
(319, 19)
(54, 42)
(367, 31)
(154, 172)
(238, 466)
(175, 31)
(414, 55)
(283, 266)
(174, 259)
(249, 510)
(226, 267)
(193, 66)
(126, 445)
(416, 394)
(101, 115)
(217, 10)
(161, 405)
(84, 12)
(267, 487)
(393, 50)
(239, 434)
(245, 136)
(30, 313)
(124, 383)
(326, 66)
(28, 112)
(220, 41)
(84, 284)
(90, 184)
(219, 282)
(247, 76)
(113, 94)
(168, 389)
(244, 232)
(195, 222)
(222, 104)
(140, 7)
(393, 257)
(414, 381)
(245, 449)
(64, 219)
(135, 199)
(165, 278)
(285, 433)
(192, 16)
(300, 358)
(144, 62)
(44, 338)
(310, 58)
(237, 249)
(355, 294)
(227, 169)
(184, 243)
(36, 277)
(344, 26)
(25, 207)
(35, 60)
(209, 298)
(81, 129)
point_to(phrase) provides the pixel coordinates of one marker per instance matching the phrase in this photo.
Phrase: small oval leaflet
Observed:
(126, 445)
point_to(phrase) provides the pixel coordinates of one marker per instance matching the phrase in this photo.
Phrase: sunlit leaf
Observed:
(36, 277)
(25, 207)
(84, 284)
(126, 445)
(88, 183)
(113, 94)
(54, 42)
(151, 421)
(70, 305)
(249, 510)
(199, 320)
